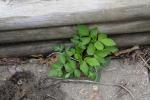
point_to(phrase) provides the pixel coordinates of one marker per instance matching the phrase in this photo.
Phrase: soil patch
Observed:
(24, 86)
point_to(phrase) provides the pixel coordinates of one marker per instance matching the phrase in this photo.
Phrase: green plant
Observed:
(88, 54)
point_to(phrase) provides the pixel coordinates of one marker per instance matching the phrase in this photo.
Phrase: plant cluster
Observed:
(88, 54)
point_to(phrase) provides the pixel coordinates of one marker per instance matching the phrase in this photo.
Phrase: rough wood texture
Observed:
(20, 14)
(132, 39)
(45, 46)
(67, 31)
(27, 49)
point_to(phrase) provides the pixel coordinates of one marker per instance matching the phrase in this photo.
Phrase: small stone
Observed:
(95, 88)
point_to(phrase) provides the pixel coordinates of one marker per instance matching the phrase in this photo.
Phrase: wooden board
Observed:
(24, 49)
(22, 14)
(67, 31)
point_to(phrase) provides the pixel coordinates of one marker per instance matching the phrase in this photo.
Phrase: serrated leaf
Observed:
(75, 39)
(92, 61)
(112, 49)
(62, 58)
(78, 50)
(67, 75)
(90, 49)
(77, 73)
(108, 42)
(85, 40)
(93, 33)
(101, 60)
(92, 75)
(101, 36)
(98, 45)
(77, 56)
(68, 67)
(70, 52)
(83, 30)
(57, 65)
(81, 46)
(84, 68)
(72, 64)
(102, 53)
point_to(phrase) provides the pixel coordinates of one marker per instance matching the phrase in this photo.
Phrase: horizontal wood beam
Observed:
(67, 31)
(16, 14)
(25, 49)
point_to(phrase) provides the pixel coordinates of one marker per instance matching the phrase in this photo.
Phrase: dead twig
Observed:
(127, 50)
(145, 62)
(119, 85)
(92, 82)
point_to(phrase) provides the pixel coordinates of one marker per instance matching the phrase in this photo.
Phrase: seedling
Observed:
(89, 54)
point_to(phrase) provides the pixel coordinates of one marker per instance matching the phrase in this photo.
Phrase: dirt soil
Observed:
(23, 86)
(122, 79)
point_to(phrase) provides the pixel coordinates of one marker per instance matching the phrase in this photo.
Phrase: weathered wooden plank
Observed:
(20, 14)
(25, 49)
(68, 31)
(132, 39)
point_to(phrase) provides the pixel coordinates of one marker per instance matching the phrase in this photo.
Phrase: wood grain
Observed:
(67, 31)
(23, 14)
(24, 49)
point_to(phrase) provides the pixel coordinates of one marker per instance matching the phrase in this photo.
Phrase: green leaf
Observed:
(112, 49)
(85, 40)
(59, 73)
(53, 73)
(67, 75)
(77, 73)
(75, 42)
(57, 65)
(108, 42)
(84, 68)
(58, 48)
(81, 46)
(92, 61)
(75, 39)
(62, 58)
(90, 49)
(101, 36)
(83, 30)
(92, 75)
(98, 45)
(101, 60)
(78, 49)
(93, 33)
(77, 56)
(72, 64)
(68, 68)
(70, 52)
(102, 53)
